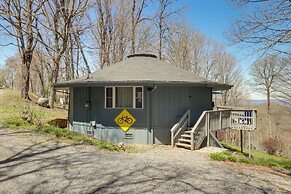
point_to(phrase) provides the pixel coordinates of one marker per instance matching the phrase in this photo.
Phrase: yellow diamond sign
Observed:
(124, 120)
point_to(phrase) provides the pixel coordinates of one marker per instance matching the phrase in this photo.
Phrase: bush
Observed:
(272, 145)
(29, 114)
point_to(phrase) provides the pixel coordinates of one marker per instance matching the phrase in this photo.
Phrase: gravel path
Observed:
(32, 163)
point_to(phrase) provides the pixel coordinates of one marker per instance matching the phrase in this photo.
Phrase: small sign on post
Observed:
(125, 120)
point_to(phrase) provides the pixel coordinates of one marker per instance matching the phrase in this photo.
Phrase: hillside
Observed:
(11, 105)
(280, 126)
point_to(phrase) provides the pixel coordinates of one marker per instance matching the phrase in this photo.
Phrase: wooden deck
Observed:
(182, 135)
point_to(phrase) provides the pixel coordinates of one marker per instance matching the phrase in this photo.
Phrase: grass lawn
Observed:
(258, 158)
(12, 106)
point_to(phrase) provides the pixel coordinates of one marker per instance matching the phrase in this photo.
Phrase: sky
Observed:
(210, 17)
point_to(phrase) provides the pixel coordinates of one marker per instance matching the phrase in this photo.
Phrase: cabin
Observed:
(144, 100)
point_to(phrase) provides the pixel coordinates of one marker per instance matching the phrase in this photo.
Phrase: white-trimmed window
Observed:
(124, 97)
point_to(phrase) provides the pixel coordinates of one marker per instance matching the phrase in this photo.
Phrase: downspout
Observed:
(151, 111)
(70, 122)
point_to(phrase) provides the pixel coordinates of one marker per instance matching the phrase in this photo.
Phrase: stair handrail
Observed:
(195, 128)
(177, 127)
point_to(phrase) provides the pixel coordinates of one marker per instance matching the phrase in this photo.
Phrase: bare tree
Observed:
(180, 46)
(19, 21)
(166, 11)
(265, 73)
(227, 72)
(137, 8)
(192, 51)
(282, 86)
(264, 25)
(11, 72)
(103, 32)
(57, 22)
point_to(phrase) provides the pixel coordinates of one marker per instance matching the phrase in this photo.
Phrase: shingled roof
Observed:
(143, 69)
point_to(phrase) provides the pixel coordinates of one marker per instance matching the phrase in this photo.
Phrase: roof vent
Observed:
(142, 55)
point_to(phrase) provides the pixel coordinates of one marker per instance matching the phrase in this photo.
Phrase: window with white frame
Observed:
(124, 97)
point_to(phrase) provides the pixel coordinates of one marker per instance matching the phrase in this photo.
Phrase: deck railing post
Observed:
(192, 140)
(249, 144)
(220, 120)
(254, 119)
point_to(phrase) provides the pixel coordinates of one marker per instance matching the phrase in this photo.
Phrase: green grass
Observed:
(19, 124)
(76, 137)
(258, 158)
(11, 106)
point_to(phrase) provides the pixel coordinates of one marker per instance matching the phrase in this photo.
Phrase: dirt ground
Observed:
(33, 163)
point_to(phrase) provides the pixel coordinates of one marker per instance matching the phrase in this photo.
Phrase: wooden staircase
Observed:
(200, 135)
(185, 140)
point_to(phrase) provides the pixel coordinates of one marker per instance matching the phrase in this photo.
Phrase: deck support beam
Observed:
(241, 142)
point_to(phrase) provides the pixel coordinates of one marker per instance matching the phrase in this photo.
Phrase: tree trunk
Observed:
(268, 102)
(133, 27)
(25, 76)
(55, 75)
(27, 52)
(269, 111)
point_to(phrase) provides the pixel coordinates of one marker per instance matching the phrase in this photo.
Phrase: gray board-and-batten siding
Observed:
(163, 106)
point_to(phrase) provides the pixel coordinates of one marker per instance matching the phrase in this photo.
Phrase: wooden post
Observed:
(220, 120)
(249, 144)
(254, 119)
(192, 141)
(241, 141)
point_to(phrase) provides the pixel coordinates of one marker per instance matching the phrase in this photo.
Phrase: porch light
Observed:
(87, 104)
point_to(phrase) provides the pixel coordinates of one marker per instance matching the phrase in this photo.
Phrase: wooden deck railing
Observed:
(180, 127)
(222, 118)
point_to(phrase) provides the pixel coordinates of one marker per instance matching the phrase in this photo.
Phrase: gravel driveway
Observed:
(33, 163)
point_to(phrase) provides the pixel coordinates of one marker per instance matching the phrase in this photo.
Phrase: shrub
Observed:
(28, 113)
(272, 145)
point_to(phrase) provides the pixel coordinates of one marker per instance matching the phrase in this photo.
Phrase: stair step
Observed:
(187, 132)
(184, 140)
(186, 136)
(183, 145)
